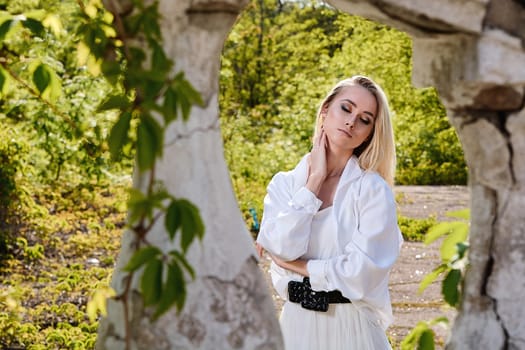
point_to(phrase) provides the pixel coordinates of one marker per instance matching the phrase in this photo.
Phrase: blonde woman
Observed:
(330, 226)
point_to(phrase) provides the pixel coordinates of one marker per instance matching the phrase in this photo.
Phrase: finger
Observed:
(260, 249)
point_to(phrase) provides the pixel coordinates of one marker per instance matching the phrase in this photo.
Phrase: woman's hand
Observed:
(260, 249)
(317, 164)
(297, 266)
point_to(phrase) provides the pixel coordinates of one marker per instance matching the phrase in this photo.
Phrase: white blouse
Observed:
(368, 237)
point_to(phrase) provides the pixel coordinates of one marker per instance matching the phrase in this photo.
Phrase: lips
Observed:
(345, 132)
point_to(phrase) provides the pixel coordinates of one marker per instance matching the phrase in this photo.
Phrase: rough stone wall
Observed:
(228, 305)
(473, 52)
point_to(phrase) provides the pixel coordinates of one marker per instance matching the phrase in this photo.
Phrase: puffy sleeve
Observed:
(362, 269)
(288, 213)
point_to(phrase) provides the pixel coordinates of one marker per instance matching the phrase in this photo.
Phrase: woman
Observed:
(333, 220)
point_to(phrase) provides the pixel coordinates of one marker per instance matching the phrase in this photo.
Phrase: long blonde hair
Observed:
(378, 152)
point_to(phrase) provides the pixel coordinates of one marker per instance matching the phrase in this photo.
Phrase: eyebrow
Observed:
(353, 104)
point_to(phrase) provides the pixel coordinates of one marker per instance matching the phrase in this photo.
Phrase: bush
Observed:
(11, 153)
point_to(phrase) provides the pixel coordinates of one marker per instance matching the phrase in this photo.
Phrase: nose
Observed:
(350, 123)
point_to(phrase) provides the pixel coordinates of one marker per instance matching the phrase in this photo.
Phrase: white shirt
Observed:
(368, 236)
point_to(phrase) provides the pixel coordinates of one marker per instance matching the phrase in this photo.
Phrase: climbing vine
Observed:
(126, 49)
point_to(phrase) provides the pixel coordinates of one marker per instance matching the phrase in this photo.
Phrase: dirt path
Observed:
(416, 260)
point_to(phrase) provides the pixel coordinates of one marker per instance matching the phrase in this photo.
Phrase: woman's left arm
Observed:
(374, 246)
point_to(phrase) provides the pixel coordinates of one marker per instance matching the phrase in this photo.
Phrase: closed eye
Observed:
(365, 121)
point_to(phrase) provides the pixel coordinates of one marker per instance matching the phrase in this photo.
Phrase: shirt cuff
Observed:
(305, 199)
(317, 273)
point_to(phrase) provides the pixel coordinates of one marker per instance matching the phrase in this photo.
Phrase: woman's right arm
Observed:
(285, 226)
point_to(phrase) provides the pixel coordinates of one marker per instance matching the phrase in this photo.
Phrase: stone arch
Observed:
(472, 52)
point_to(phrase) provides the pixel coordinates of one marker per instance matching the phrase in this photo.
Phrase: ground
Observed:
(416, 261)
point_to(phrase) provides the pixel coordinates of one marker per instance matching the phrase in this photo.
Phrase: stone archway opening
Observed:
(472, 52)
(257, 143)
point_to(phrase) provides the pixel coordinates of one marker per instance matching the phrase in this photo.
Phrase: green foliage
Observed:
(279, 61)
(48, 95)
(453, 263)
(422, 336)
(145, 95)
(415, 230)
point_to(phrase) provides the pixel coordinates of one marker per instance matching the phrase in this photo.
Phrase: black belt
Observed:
(301, 292)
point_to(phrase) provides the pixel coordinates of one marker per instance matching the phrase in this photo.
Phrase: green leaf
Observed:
(411, 341)
(186, 95)
(449, 246)
(3, 79)
(140, 257)
(431, 277)
(159, 61)
(426, 340)
(182, 259)
(114, 102)
(192, 225)
(35, 26)
(98, 301)
(440, 230)
(41, 77)
(173, 291)
(460, 214)
(111, 71)
(440, 319)
(169, 107)
(172, 221)
(151, 282)
(5, 27)
(149, 142)
(118, 135)
(450, 287)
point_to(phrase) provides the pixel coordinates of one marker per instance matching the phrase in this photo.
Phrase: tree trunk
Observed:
(228, 305)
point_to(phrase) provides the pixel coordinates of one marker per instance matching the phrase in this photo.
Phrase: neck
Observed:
(336, 161)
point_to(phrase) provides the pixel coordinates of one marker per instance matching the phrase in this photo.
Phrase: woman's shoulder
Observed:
(372, 182)
(290, 176)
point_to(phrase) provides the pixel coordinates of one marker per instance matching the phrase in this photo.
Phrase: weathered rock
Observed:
(471, 51)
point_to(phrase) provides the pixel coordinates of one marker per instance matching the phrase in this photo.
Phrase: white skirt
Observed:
(342, 327)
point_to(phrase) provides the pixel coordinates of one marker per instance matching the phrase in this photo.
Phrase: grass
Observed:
(65, 251)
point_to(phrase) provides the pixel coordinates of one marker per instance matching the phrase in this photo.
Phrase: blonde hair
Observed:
(378, 152)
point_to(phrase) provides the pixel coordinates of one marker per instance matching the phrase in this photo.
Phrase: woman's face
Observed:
(350, 117)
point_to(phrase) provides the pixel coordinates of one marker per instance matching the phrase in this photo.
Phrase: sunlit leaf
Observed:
(440, 230)
(142, 256)
(118, 135)
(431, 277)
(460, 214)
(449, 247)
(151, 282)
(53, 22)
(98, 302)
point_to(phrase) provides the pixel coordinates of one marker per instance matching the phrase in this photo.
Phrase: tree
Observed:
(228, 304)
